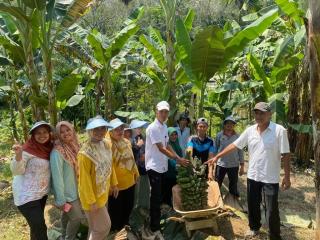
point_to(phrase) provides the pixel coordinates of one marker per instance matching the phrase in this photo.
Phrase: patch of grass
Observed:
(5, 149)
(5, 172)
(5, 158)
(12, 223)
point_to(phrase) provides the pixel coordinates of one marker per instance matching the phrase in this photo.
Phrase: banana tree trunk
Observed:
(304, 150)
(170, 73)
(201, 103)
(314, 50)
(98, 97)
(52, 108)
(107, 93)
(13, 119)
(293, 106)
(20, 109)
(38, 111)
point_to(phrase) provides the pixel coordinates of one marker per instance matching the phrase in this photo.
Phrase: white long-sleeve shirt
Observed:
(31, 179)
(183, 137)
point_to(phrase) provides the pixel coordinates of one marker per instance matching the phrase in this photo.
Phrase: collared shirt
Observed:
(232, 159)
(265, 151)
(202, 148)
(154, 159)
(183, 136)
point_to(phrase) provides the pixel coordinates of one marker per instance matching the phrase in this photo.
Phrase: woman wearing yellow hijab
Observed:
(127, 174)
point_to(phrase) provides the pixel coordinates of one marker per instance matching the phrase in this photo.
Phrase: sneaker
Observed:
(251, 233)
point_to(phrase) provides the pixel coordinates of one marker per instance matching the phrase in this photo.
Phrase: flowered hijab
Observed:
(100, 154)
(41, 150)
(122, 152)
(69, 150)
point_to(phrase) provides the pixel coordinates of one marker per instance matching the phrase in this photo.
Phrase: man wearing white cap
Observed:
(267, 145)
(157, 153)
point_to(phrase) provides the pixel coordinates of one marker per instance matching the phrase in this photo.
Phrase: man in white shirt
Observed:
(267, 145)
(157, 152)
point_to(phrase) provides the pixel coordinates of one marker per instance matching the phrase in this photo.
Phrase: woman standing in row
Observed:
(170, 177)
(96, 178)
(64, 175)
(31, 181)
(127, 175)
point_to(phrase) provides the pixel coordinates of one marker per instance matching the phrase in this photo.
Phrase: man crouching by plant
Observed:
(267, 145)
(157, 152)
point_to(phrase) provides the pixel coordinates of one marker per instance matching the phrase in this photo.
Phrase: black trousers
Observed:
(255, 190)
(120, 208)
(168, 183)
(34, 214)
(156, 182)
(232, 175)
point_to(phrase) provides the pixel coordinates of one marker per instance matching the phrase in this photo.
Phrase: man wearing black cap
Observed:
(267, 145)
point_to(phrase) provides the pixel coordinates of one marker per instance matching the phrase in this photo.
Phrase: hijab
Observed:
(175, 144)
(69, 150)
(40, 150)
(100, 154)
(122, 152)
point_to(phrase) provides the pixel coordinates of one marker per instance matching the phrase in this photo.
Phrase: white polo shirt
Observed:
(265, 151)
(154, 159)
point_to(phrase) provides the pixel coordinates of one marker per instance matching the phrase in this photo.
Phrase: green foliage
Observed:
(188, 20)
(154, 50)
(67, 86)
(207, 53)
(75, 100)
(302, 128)
(291, 9)
(183, 45)
(259, 74)
(135, 115)
(249, 33)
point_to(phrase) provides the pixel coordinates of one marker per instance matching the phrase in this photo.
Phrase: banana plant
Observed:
(213, 49)
(10, 71)
(314, 48)
(105, 50)
(15, 18)
(168, 57)
(39, 23)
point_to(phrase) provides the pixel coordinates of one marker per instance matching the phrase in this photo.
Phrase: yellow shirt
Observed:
(125, 177)
(87, 184)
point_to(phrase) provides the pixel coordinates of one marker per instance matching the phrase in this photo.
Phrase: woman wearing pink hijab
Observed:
(64, 174)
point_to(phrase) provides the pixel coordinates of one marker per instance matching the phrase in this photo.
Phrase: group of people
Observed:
(100, 180)
(94, 181)
(267, 144)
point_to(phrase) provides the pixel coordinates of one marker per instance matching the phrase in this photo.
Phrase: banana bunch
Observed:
(193, 183)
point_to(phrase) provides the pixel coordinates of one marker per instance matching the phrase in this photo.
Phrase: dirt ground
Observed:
(296, 205)
(297, 211)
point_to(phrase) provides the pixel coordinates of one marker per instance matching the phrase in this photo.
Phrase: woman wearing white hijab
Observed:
(96, 178)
